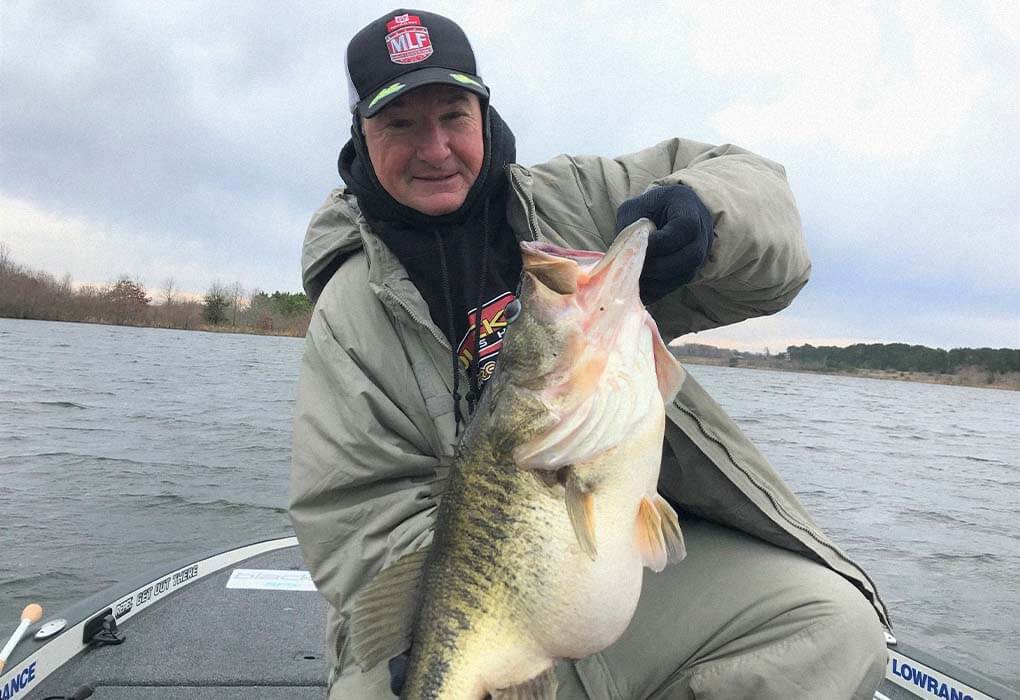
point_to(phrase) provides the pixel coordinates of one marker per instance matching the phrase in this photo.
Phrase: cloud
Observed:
(895, 82)
(205, 134)
(886, 120)
(164, 138)
(98, 252)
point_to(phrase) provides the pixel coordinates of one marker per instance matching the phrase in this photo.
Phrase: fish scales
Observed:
(492, 553)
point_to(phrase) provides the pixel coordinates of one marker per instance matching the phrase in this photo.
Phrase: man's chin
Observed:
(439, 203)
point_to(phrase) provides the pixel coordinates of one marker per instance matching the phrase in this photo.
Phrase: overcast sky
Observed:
(194, 139)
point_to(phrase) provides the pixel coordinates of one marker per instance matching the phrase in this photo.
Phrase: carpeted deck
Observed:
(208, 641)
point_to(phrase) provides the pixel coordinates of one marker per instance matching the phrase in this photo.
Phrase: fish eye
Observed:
(513, 310)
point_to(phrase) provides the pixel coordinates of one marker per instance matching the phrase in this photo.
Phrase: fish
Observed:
(551, 512)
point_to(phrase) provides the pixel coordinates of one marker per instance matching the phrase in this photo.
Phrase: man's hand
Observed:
(679, 246)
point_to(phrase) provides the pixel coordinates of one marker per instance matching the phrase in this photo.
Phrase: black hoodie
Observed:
(458, 261)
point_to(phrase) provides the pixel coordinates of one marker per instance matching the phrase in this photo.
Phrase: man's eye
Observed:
(400, 124)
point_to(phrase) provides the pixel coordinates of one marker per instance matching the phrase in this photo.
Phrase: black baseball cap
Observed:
(405, 49)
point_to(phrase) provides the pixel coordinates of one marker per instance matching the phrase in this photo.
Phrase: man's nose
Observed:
(433, 143)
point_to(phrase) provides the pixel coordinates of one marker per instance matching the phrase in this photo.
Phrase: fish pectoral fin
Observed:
(651, 540)
(383, 614)
(671, 531)
(669, 374)
(541, 687)
(581, 509)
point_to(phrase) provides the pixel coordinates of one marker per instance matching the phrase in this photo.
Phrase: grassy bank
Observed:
(296, 330)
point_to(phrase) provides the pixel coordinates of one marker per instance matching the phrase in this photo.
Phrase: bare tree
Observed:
(236, 293)
(67, 284)
(168, 292)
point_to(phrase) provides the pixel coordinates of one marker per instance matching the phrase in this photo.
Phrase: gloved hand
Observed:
(679, 246)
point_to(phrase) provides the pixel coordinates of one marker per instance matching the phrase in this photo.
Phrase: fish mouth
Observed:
(567, 270)
(542, 249)
(625, 258)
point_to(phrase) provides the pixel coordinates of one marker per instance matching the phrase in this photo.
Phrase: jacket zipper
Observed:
(430, 327)
(788, 516)
(529, 203)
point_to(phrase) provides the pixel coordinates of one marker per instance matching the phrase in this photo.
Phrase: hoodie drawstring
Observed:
(474, 393)
(474, 371)
(451, 326)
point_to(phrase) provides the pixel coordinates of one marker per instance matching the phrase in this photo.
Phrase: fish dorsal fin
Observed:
(581, 509)
(383, 613)
(541, 687)
(659, 538)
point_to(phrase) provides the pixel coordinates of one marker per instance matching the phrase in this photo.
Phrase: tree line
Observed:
(33, 294)
(901, 357)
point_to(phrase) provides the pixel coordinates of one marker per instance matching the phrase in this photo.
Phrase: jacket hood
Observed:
(333, 235)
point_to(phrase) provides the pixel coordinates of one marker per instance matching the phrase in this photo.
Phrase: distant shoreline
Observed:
(980, 380)
(1008, 383)
(204, 327)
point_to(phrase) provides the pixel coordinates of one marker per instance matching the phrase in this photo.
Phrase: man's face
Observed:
(427, 148)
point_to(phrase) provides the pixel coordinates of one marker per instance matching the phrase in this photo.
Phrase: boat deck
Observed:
(254, 643)
(190, 635)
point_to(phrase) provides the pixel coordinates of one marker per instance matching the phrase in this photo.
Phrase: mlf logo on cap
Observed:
(408, 41)
(404, 50)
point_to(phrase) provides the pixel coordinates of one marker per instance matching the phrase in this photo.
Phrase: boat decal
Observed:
(271, 580)
(925, 682)
(148, 595)
(123, 607)
(20, 679)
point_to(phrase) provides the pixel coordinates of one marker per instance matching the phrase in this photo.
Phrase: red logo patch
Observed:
(493, 327)
(407, 41)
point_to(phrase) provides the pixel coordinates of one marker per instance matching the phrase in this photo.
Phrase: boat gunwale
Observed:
(42, 658)
(974, 679)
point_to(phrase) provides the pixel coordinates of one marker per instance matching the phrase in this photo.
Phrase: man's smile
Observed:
(435, 178)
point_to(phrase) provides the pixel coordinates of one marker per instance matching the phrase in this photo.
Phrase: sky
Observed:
(193, 139)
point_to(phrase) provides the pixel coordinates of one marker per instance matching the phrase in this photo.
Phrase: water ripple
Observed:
(134, 447)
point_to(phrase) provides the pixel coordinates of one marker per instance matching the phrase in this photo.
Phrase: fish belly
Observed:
(591, 602)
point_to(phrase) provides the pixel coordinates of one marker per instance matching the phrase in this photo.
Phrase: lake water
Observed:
(124, 448)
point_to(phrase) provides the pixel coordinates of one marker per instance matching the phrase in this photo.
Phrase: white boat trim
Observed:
(68, 644)
(926, 682)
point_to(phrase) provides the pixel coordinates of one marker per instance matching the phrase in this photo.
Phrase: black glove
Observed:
(679, 246)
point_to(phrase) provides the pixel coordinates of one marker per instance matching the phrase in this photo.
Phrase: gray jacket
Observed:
(374, 428)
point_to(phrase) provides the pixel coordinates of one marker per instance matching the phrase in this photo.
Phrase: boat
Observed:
(248, 623)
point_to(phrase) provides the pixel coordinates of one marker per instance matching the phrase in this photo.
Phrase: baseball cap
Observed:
(405, 49)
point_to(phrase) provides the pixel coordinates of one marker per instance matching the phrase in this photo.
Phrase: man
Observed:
(422, 245)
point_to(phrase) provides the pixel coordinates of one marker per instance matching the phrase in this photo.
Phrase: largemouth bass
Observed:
(551, 511)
